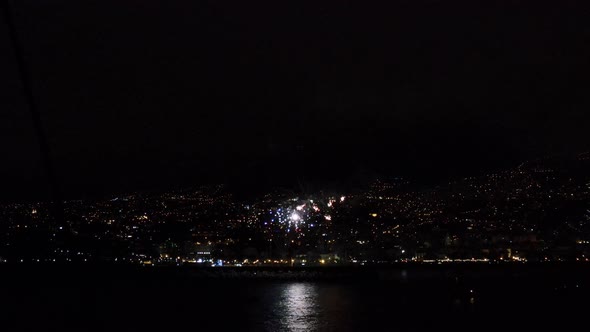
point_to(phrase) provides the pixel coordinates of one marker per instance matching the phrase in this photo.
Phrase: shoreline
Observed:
(396, 273)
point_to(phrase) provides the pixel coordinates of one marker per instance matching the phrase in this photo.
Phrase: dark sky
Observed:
(150, 94)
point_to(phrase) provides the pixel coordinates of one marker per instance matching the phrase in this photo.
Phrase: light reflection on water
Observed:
(297, 309)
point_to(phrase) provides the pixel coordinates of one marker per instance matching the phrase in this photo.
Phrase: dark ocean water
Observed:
(396, 299)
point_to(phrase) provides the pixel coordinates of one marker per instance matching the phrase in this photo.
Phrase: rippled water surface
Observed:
(111, 302)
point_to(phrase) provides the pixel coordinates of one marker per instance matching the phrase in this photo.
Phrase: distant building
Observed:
(203, 252)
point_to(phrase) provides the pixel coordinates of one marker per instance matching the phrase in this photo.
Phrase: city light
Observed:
(377, 221)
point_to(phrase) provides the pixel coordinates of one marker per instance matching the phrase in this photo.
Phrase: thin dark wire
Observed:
(25, 78)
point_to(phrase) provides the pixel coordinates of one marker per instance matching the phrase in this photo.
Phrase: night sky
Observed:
(148, 95)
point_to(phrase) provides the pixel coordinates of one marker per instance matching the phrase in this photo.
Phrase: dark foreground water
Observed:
(392, 299)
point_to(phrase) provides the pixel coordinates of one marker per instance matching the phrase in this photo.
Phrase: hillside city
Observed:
(535, 212)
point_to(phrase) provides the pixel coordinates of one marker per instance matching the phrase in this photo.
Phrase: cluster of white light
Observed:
(295, 213)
